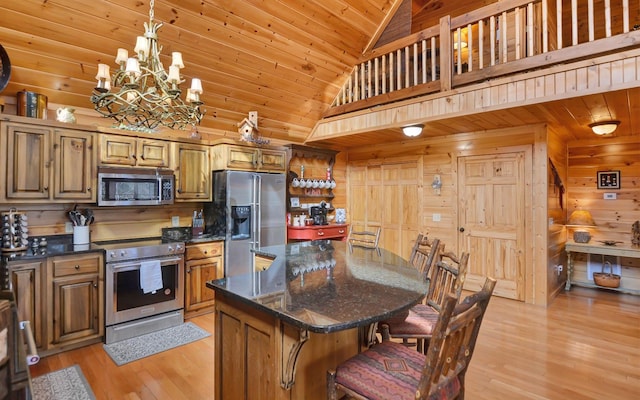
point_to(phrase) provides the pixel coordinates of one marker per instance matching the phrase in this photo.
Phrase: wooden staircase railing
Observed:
(503, 38)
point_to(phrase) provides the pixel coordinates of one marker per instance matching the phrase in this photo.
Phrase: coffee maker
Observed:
(319, 215)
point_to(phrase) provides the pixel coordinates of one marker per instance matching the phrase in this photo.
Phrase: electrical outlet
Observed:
(68, 227)
(436, 217)
(610, 196)
(175, 221)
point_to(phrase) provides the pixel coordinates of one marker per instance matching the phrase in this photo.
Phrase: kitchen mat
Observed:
(65, 384)
(128, 350)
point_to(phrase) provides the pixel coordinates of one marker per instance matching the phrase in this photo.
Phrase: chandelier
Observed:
(141, 95)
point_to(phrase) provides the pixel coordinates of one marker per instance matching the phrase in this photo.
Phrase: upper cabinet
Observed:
(246, 158)
(47, 163)
(133, 151)
(193, 172)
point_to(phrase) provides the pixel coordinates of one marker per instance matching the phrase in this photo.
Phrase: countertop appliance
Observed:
(319, 215)
(125, 186)
(249, 210)
(132, 307)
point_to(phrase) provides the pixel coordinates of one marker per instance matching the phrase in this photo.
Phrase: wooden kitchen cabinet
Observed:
(47, 163)
(193, 172)
(203, 262)
(26, 282)
(75, 305)
(133, 151)
(246, 158)
(316, 232)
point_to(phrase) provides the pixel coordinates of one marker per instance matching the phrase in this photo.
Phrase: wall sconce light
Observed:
(604, 127)
(581, 218)
(436, 185)
(412, 130)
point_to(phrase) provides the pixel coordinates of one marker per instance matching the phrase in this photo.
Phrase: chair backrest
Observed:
(363, 238)
(454, 339)
(447, 278)
(424, 253)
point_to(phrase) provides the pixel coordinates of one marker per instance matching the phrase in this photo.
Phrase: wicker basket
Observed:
(607, 279)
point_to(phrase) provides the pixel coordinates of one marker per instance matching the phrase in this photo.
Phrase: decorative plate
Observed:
(5, 68)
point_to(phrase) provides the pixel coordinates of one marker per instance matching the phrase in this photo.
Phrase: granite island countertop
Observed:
(324, 287)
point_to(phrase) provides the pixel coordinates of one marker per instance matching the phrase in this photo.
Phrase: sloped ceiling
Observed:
(285, 59)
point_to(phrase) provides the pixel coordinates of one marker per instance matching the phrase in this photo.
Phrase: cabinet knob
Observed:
(205, 252)
(189, 271)
(77, 267)
(133, 156)
(95, 285)
(88, 189)
(320, 233)
(341, 231)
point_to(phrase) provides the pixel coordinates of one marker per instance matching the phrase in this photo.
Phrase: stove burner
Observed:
(133, 249)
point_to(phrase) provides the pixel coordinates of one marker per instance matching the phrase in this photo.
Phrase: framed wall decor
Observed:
(608, 179)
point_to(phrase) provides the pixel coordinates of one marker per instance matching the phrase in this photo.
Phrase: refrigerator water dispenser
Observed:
(241, 222)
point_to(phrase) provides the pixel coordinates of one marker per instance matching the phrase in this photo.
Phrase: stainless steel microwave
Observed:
(121, 186)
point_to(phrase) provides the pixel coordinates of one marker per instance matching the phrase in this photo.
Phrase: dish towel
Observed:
(150, 276)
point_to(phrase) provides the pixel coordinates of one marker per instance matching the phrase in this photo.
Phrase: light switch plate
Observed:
(175, 221)
(68, 227)
(436, 217)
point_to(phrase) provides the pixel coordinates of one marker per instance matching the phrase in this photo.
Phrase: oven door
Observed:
(125, 299)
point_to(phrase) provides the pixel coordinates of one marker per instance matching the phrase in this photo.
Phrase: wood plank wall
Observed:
(557, 213)
(612, 217)
(439, 156)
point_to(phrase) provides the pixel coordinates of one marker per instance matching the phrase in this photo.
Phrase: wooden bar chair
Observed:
(423, 255)
(363, 238)
(446, 278)
(390, 370)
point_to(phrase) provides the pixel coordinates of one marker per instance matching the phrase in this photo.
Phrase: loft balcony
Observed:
(507, 54)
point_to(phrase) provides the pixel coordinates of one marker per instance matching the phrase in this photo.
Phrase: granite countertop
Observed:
(324, 287)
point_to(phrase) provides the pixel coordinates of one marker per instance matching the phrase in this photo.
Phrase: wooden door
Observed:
(198, 272)
(26, 283)
(193, 173)
(387, 195)
(491, 220)
(74, 173)
(117, 150)
(75, 308)
(152, 153)
(28, 162)
(273, 160)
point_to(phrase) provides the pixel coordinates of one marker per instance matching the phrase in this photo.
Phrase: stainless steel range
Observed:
(144, 287)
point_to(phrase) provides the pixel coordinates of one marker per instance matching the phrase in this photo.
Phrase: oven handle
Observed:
(32, 356)
(163, 261)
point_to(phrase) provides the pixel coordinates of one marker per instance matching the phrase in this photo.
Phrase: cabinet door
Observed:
(28, 161)
(117, 150)
(75, 305)
(74, 167)
(242, 157)
(198, 272)
(153, 153)
(27, 288)
(193, 172)
(75, 308)
(273, 160)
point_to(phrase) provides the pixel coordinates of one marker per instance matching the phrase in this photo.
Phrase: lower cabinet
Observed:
(77, 291)
(26, 281)
(203, 262)
(63, 298)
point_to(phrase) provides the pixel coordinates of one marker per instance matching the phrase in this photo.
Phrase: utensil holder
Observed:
(81, 234)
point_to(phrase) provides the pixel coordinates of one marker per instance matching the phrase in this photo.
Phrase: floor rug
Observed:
(65, 384)
(133, 349)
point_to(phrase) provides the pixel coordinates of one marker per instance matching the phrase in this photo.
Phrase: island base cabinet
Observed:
(253, 353)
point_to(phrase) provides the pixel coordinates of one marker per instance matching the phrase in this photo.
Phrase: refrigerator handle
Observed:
(257, 199)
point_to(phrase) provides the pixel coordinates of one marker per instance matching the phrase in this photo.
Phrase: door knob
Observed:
(461, 229)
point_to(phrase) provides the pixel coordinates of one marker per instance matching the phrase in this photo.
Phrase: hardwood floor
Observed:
(585, 345)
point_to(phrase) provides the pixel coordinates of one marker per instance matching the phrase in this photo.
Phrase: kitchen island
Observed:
(304, 309)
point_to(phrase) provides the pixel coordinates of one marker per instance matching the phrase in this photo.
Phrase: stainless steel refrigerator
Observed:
(249, 209)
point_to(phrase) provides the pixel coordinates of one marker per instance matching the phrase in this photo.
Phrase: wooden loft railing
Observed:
(503, 38)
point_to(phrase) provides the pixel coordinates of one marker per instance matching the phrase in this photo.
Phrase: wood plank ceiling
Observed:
(285, 59)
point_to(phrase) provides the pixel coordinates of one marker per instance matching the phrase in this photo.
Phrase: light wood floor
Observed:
(585, 345)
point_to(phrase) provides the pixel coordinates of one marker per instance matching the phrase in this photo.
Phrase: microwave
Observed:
(135, 186)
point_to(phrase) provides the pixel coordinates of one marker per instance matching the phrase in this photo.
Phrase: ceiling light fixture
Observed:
(412, 130)
(148, 96)
(604, 127)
